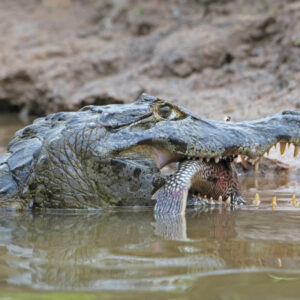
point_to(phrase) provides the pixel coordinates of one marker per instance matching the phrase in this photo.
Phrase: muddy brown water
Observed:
(251, 252)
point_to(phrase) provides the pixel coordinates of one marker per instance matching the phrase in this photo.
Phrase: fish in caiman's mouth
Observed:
(215, 179)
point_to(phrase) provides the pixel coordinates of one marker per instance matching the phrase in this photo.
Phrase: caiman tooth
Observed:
(282, 147)
(256, 197)
(256, 167)
(228, 200)
(220, 199)
(244, 162)
(274, 203)
(256, 200)
(296, 150)
(217, 159)
(207, 159)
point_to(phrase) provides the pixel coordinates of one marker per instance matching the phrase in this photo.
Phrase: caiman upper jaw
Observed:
(194, 138)
(216, 139)
(283, 128)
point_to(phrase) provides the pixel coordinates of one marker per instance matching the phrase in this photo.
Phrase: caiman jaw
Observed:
(215, 179)
(201, 146)
(210, 178)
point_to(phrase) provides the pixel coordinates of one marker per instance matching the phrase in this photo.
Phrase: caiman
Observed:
(112, 155)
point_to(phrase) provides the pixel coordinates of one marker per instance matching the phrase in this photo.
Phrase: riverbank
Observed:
(217, 58)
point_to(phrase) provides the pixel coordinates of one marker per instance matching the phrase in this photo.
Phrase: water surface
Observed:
(251, 252)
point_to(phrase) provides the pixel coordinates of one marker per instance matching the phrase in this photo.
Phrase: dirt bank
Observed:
(238, 58)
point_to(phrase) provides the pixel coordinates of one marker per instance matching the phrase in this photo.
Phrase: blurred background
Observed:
(228, 57)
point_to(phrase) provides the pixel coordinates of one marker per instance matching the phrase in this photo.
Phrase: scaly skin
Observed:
(111, 155)
(213, 181)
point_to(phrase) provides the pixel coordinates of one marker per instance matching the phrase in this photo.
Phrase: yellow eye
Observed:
(165, 111)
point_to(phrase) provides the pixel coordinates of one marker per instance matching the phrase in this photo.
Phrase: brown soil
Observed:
(239, 58)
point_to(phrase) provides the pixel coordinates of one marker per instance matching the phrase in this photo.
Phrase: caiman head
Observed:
(151, 133)
(113, 155)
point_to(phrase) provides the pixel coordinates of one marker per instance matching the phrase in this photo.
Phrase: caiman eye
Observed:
(165, 111)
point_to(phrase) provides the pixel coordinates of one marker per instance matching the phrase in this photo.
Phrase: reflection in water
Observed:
(170, 227)
(128, 250)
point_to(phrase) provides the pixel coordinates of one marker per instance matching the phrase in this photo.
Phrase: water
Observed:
(212, 253)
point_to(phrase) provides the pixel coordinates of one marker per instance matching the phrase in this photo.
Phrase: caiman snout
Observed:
(206, 166)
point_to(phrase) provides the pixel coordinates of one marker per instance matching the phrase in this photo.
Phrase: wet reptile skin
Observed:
(103, 156)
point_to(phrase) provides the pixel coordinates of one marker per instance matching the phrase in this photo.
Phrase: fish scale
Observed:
(171, 198)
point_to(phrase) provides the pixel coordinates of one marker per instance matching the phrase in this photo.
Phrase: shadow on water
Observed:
(220, 253)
